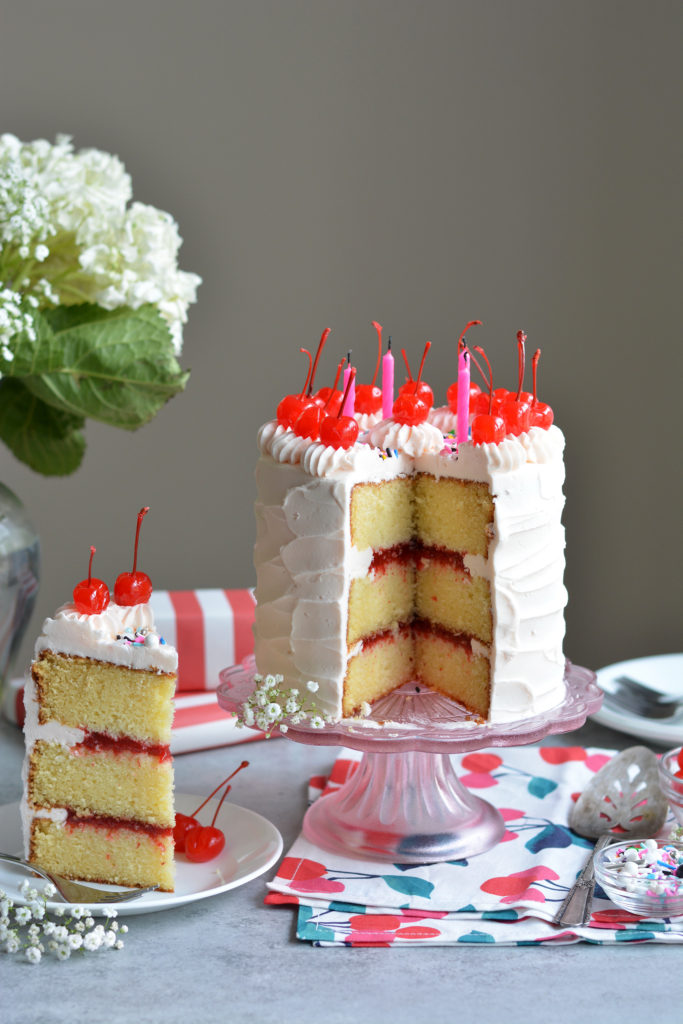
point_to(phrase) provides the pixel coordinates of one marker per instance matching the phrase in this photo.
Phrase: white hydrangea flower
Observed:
(312, 686)
(316, 722)
(75, 941)
(61, 933)
(12, 944)
(33, 955)
(62, 952)
(92, 941)
(49, 890)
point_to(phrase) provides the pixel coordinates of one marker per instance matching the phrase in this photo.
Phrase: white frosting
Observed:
(365, 420)
(94, 636)
(443, 418)
(305, 561)
(411, 440)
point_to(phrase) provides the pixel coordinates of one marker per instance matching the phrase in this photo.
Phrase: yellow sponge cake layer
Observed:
(447, 665)
(446, 594)
(114, 853)
(453, 514)
(126, 784)
(381, 600)
(382, 514)
(383, 664)
(107, 698)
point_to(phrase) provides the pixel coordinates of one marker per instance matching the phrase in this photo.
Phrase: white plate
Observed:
(252, 846)
(663, 672)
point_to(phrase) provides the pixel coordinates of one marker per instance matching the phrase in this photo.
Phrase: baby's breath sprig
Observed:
(31, 929)
(271, 704)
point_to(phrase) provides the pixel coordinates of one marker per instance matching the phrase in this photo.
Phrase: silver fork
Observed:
(77, 892)
(639, 699)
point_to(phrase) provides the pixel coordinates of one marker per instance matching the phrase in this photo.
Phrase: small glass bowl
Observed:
(637, 894)
(672, 787)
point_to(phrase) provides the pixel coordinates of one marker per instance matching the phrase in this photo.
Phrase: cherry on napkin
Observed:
(507, 895)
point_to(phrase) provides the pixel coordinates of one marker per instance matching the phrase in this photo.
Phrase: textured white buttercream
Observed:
(305, 560)
(95, 636)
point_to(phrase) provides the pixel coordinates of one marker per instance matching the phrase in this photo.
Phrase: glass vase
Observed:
(19, 575)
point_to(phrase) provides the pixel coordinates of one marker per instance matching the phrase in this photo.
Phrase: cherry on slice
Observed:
(134, 587)
(183, 822)
(488, 429)
(202, 843)
(91, 596)
(679, 758)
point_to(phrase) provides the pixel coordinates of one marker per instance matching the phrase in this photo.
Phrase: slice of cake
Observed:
(405, 557)
(98, 772)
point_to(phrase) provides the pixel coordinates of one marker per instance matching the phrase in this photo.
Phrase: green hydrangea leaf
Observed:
(116, 366)
(46, 439)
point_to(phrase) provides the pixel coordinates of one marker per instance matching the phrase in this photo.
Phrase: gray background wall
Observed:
(421, 164)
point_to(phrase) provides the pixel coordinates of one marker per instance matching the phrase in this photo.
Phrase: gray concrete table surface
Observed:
(230, 958)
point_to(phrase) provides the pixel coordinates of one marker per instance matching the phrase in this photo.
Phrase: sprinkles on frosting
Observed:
(141, 637)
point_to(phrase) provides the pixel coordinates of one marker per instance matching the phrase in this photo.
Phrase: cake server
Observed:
(623, 799)
(77, 892)
(630, 695)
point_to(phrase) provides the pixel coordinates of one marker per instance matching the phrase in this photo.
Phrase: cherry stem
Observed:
(352, 377)
(534, 369)
(141, 515)
(321, 345)
(476, 363)
(378, 328)
(336, 379)
(92, 555)
(461, 340)
(428, 345)
(521, 361)
(479, 349)
(308, 375)
(245, 764)
(220, 804)
(405, 360)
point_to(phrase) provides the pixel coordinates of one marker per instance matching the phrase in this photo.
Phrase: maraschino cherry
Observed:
(452, 393)
(516, 411)
(340, 431)
(134, 587)
(487, 428)
(541, 413)
(410, 408)
(368, 396)
(424, 392)
(291, 406)
(91, 596)
(186, 822)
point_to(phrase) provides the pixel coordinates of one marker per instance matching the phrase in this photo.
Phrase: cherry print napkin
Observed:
(506, 896)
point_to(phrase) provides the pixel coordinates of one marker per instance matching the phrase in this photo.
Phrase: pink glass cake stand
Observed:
(404, 803)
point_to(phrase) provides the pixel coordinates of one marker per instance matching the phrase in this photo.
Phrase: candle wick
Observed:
(389, 344)
(348, 357)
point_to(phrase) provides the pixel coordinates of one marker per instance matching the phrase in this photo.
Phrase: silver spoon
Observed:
(624, 796)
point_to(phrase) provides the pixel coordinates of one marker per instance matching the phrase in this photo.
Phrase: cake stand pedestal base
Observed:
(408, 808)
(404, 803)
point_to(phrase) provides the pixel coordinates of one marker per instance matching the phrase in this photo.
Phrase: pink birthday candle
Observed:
(463, 413)
(387, 382)
(349, 388)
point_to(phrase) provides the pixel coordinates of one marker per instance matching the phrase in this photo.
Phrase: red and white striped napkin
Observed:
(212, 629)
